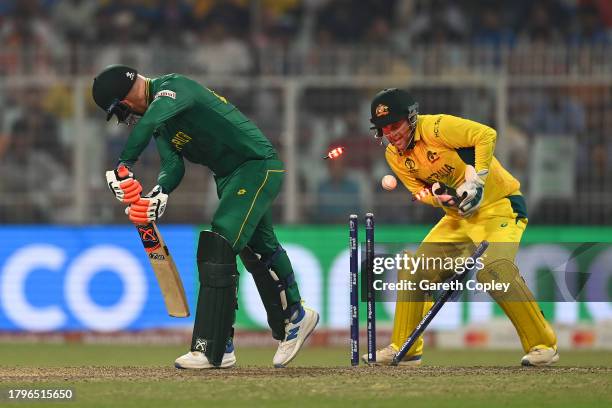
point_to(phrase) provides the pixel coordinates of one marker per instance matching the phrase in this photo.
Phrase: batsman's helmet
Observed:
(392, 105)
(110, 87)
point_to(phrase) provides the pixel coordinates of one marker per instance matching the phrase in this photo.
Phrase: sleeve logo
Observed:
(169, 94)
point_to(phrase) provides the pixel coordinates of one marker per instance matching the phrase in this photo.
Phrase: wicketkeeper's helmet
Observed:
(392, 105)
(110, 87)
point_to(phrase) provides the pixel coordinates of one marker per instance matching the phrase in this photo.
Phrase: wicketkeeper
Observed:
(430, 151)
(189, 121)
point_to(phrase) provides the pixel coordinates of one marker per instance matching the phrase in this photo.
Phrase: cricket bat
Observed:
(165, 270)
(163, 265)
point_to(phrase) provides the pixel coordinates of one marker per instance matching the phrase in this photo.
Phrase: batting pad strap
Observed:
(216, 261)
(289, 280)
(252, 262)
(217, 275)
(255, 263)
(263, 268)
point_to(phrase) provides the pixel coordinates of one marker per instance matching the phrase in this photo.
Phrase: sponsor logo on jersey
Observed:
(165, 92)
(410, 164)
(381, 110)
(179, 140)
(443, 175)
(130, 75)
(432, 156)
(437, 126)
(242, 191)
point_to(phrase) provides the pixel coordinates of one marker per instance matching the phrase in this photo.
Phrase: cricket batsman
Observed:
(191, 122)
(430, 151)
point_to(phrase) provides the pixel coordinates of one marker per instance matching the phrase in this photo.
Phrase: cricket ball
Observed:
(389, 182)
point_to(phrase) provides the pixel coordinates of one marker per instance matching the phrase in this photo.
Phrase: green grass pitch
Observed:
(143, 376)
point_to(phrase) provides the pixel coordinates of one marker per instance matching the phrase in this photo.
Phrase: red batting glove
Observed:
(123, 185)
(149, 208)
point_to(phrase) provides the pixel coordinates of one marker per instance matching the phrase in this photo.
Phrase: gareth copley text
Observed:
(426, 285)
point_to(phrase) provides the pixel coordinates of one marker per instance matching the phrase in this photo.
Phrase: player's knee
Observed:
(229, 232)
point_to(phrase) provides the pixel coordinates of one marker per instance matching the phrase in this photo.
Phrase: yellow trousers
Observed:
(502, 224)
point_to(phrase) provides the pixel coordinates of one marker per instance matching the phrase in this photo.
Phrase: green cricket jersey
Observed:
(190, 121)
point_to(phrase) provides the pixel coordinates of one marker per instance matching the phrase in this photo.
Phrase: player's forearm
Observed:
(158, 112)
(171, 174)
(137, 141)
(420, 192)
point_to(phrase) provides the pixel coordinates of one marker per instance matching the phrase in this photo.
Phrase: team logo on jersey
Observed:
(180, 140)
(242, 191)
(432, 156)
(165, 92)
(381, 110)
(410, 164)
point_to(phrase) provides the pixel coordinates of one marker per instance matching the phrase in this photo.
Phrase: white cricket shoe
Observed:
(540, 356)
(385, 356)
(196, 360)
(296, 333)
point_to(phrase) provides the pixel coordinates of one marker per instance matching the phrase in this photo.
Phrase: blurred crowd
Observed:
(46, 42)
(235, 36)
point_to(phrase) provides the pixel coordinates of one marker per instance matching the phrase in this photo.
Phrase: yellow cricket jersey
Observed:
(445, 144)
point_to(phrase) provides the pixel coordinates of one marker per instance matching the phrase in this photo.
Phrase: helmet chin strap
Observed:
(123, 112)
(412, 140)
(132, 119)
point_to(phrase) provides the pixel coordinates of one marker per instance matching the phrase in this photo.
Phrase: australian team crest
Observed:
(381, 110)
(432, 156)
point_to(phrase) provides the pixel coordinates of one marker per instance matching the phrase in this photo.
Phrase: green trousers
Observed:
(244, 215)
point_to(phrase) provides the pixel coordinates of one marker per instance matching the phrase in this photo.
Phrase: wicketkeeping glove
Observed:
(446, 196)
(122, 184)
(472, 191)
(149, 208)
